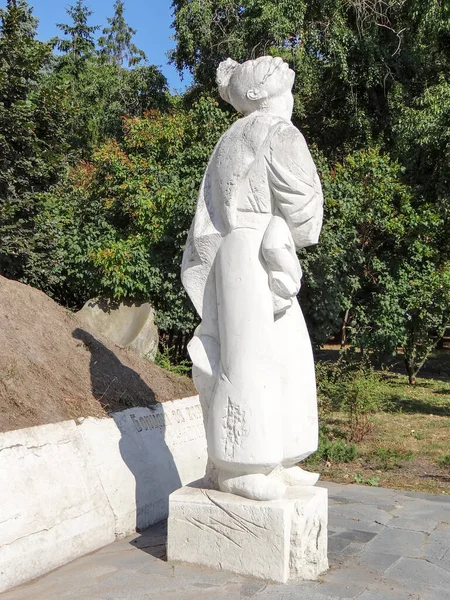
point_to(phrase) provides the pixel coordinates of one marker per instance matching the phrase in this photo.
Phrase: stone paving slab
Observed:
(383, 545)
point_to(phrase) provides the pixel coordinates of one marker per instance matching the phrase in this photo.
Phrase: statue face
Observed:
(279, 79)
(263, 84)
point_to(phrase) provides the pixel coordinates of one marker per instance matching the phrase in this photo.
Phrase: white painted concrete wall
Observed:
(69, 488)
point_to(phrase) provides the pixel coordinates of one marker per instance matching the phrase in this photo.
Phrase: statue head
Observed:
(263, 84)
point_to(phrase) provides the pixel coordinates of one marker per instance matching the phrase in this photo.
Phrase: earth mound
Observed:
(53, 368)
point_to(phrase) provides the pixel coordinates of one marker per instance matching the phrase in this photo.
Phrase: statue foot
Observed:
(296, 476)
(255, 486)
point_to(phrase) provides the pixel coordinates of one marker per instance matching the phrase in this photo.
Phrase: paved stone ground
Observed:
(383, 545)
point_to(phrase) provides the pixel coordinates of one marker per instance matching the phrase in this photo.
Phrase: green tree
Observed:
(104, 94)
(348, 55)
(33, 144)
(369, 74)
(116, 42)
(381, 273)
(123, 217)
(103, 91)
(79, 44)
(367, 219)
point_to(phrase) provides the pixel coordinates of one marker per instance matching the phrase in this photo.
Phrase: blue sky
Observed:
(151, 19)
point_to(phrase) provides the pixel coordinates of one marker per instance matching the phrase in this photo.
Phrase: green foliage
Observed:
(444, 461)
(336, 380)
(363, 397)
(420, 295)
(348, 55)
(385, 258)
(115, 43)
(164, 360)
(367, 212)
(387, 458)
(104, 94)
(123, 217)
(373, 481)
(339, 451)
(102, 91)
(335, 451)
(355, 388)
(372, 96)
(79, 44)
(33, 146)
(51, 111)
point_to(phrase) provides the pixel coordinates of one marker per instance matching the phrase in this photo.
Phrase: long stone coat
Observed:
(259, 201)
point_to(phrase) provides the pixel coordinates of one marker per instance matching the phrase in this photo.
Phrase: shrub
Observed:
(387, 459)
(444, 461)
(341, 451)
(122, 218)
(333, 450)
(164, 360)
(374, 481)
(355, 388)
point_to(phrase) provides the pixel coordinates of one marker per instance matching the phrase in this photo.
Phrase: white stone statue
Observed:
(260, 201)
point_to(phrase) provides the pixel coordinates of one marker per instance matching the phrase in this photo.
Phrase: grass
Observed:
(406, 447)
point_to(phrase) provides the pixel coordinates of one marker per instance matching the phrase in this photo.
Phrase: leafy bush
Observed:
(363, 396)
(340, 451)
(164, 360)
(374, 481)
(33, 144)
(356, 389)
(376, 105)
(444, 461)
(122, 218)
(333, 450)
(384, 253)
(387, 459)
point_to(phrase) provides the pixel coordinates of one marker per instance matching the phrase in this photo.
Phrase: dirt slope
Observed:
(52, 368)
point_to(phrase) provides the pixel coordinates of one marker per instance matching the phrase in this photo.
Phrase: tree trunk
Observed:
(411, 372)
(344, 329)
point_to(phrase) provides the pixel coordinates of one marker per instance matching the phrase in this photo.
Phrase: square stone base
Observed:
(276, 541)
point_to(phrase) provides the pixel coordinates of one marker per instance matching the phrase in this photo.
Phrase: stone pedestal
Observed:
(276, 541)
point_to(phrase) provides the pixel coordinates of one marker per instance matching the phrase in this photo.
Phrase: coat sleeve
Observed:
(295, 185)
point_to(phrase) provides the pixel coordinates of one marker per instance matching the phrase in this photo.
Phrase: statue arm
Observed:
(295, 186)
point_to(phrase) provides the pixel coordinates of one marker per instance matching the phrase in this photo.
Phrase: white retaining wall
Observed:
(69, 488)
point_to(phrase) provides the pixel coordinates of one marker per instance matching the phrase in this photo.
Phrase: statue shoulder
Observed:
(287, 132)
(253, 130)
(288, 141)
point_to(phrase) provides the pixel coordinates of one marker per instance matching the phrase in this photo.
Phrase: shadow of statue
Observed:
(113, 384)
(142, 428)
